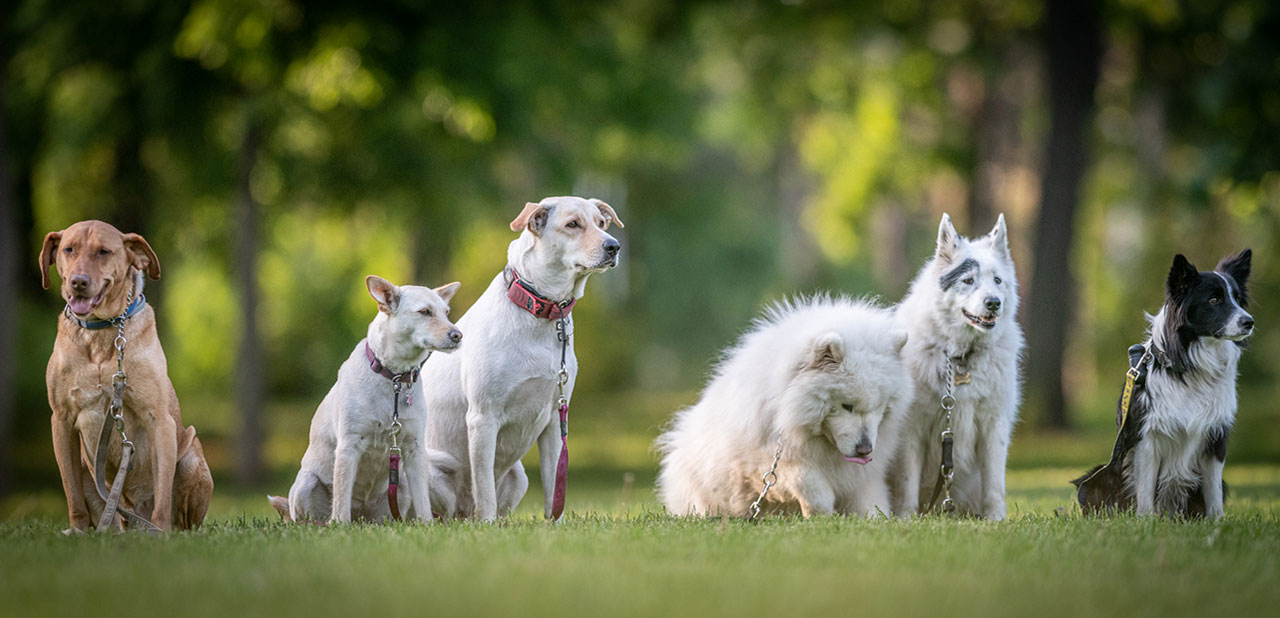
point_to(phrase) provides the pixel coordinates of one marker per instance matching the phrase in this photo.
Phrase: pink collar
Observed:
(526, 298)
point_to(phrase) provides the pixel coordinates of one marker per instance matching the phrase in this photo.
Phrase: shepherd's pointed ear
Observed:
(999, 235)
(826, 352)
(1181, 275)
(1237, 266)
(447, 290)
(532, 218)
(383, 291)
(947, 240)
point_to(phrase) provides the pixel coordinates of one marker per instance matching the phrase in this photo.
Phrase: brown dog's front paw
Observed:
(73, 531)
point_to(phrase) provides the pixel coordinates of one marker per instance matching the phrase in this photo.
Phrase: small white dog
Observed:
(346, 469)
(819, 379)
(491, 402)
(959, 316)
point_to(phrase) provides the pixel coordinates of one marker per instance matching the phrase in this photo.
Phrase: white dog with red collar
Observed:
(490, 403)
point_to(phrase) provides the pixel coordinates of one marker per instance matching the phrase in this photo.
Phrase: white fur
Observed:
(344, 470)
(986, 409)
(494, 400)
(1170, 458)
(787, 380)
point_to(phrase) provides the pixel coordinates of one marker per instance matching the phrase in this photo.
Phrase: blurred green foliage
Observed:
(754, 149)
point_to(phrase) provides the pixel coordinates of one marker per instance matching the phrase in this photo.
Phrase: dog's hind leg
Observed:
(512, 487)
(310, 498)
(192, 484)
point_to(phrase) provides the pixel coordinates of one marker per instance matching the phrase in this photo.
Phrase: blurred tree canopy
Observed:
(755, 149)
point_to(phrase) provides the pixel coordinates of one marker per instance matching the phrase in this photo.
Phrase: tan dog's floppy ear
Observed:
(51, 241)
(532, 218)
(612, 217)
(143, 258)
(448, 290)
(383, 291)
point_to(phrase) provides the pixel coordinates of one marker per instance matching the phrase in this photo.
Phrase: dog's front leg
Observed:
(548, 457)
(906, 478)
(993, 451)
(346, 458)
(164, 459)
(1144, 477)
(66, 450)
(872, 498)
(1211, 485)
(816, 495)
(419, 469)
(482, 445)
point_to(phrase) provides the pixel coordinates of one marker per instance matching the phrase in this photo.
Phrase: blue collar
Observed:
(132, 310)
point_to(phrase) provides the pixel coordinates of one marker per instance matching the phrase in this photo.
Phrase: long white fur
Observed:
(1171, 458)
(344, 470)
(765, 390)
(986, 409)
(494, 400)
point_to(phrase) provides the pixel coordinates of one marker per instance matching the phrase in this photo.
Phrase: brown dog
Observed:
(101, 270)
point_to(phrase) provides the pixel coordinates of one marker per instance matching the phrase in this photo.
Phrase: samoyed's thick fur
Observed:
(962, 305)
(822, 377)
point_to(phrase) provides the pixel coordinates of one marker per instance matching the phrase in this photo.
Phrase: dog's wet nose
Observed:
(455, 335)
(863, 448)
(79, 283)
(612, 247)
(992, 303)
(1246, 323)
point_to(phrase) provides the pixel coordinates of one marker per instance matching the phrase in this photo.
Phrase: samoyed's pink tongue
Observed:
(859, 460)
(81, 305)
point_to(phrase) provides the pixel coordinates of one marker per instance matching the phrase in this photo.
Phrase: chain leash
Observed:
(558, 493)
(770, 479)
(948, 403)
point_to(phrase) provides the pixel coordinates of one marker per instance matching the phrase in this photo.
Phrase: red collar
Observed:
(408, 377)
(526, 298)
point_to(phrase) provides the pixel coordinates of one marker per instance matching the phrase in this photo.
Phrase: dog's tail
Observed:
(281, 505)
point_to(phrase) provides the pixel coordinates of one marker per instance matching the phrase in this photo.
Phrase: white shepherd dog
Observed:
(959, 316)
(820, 379)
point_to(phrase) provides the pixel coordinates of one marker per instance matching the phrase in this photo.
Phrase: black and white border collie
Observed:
(1171, 449)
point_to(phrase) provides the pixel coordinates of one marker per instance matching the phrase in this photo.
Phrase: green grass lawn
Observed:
(617, 554)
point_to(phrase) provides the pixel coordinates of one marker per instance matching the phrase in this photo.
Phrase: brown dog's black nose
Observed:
(612, 247)
(79, 283)
(455, 335)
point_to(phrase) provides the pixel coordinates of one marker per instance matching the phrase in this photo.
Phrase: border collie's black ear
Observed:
(1238, 266)
(1181, 276)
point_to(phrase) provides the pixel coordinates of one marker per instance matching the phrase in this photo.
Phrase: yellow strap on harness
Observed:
(1129, 378)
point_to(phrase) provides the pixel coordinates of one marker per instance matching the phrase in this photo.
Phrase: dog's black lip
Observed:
(980, 322)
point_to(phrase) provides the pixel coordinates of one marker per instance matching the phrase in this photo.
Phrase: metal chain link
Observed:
(562, 377)
(770, 479)
(120, 380)
(948, 403)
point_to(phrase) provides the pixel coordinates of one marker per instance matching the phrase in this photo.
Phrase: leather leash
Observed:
(397, 384)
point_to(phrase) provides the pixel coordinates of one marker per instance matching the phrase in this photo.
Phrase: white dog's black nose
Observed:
(863, 448)
(612, 247)
(455, 335)
(992, 303)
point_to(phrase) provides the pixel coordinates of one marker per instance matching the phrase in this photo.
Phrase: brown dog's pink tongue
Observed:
(81, 305)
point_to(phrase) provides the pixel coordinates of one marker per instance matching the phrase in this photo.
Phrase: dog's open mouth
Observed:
(859, 460)
(987, 323)
(83, 305)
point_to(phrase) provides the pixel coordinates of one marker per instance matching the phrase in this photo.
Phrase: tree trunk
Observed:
(1073, 49)
(9, 324)
(249, 371)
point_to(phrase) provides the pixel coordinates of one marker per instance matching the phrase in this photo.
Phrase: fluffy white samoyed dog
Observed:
(818, 380)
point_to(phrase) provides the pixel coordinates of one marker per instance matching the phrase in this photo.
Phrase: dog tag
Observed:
(961, 378)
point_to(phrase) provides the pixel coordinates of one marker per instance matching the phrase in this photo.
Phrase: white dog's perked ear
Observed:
(898, 339)
(827, 351)
(999, 236)
(447, 290)
(607, 211)
(533, 218)
(383, 291)
(947, 240)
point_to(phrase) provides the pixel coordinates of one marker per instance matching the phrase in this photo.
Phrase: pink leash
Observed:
(562, 466)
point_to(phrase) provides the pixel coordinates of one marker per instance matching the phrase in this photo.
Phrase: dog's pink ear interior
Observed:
(51, 241)
(607, 210)
(143, 258)
(827, 351)
(383, 291)
(947, 240)
(532, 218)
(447, 291)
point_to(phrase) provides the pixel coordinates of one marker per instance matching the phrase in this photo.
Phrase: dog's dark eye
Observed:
(104, 252)
(426, 312)
(968, 280)
(68, 250)
(998, 281)
(848, 407)
(1213, 300)
(572, 224)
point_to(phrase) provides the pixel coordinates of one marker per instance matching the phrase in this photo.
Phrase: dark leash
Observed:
(114, 419)
(1140, 359)
(398, 384)
(947, 470)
